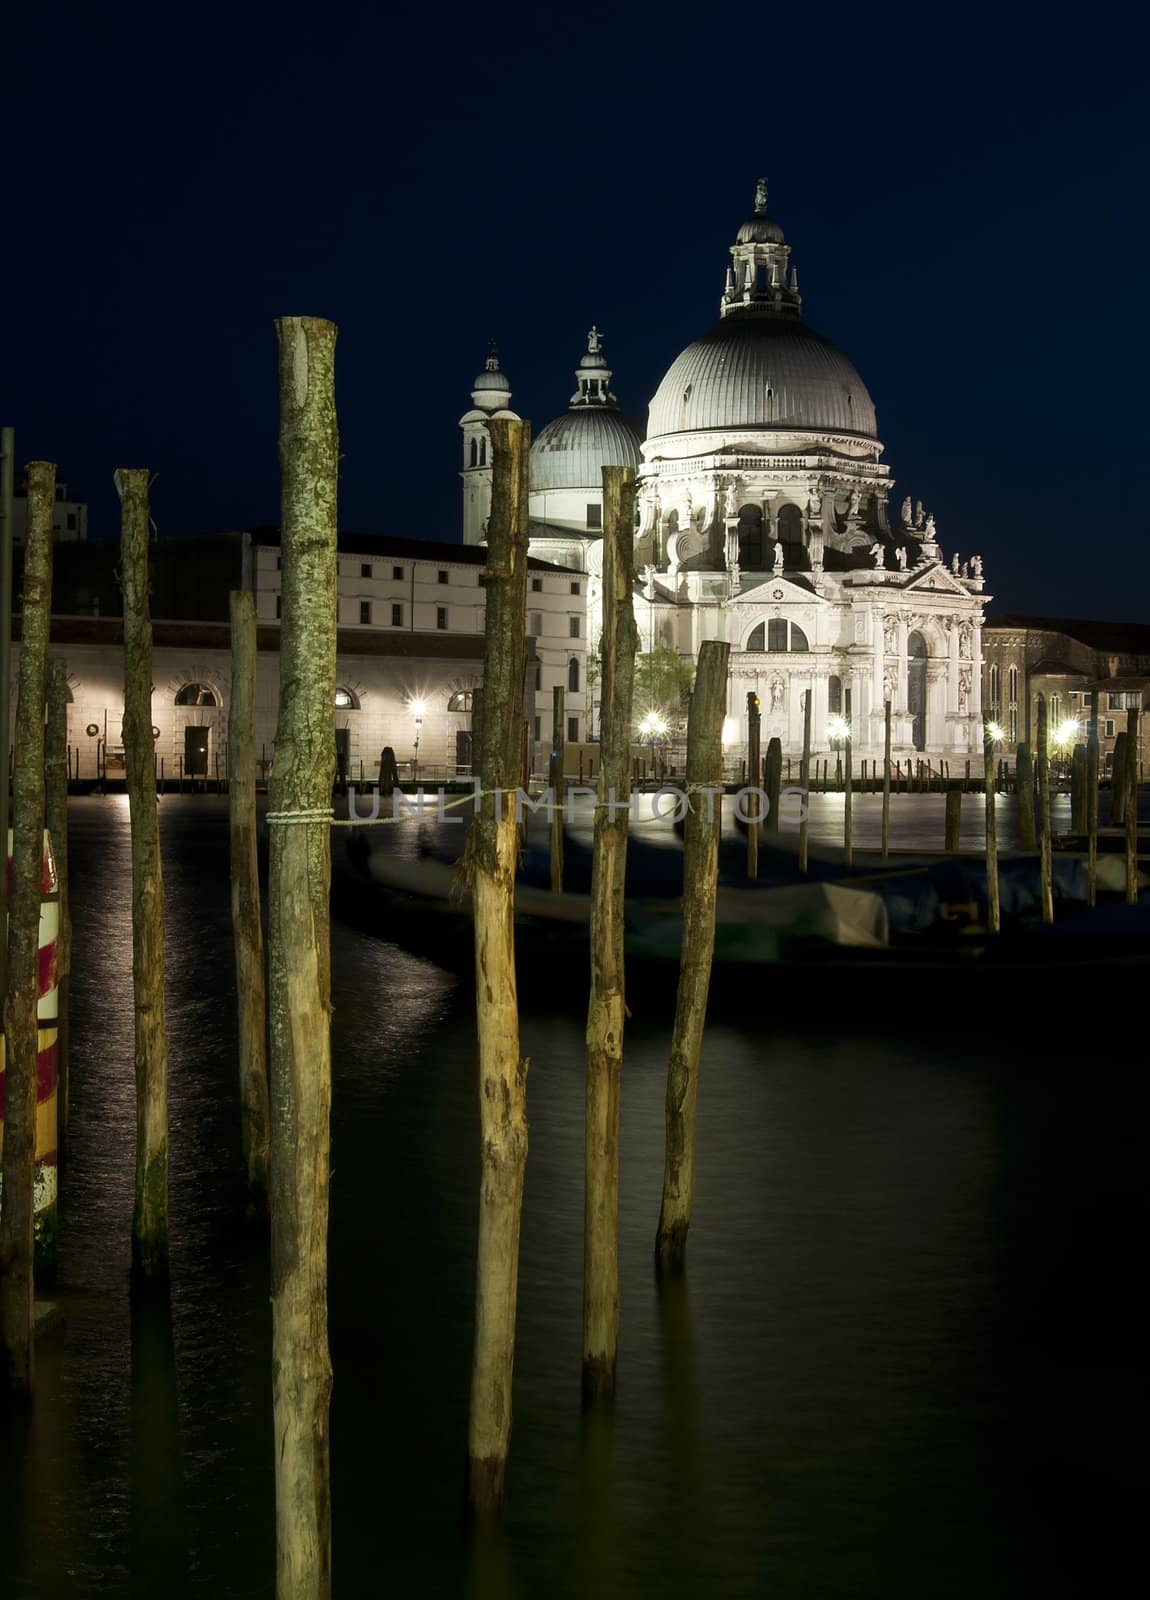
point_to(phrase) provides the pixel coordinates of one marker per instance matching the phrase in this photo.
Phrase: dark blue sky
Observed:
(964, 190)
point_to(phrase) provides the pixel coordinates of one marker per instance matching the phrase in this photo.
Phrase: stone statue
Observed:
(919, 518)
(954, 564)
(963, 690)
(900, 557)
(760, 197)
(976, 566)
(815, 504)
(594, 344)
(730, 501)
(778, 694)
(930, 530)
(966, 569)
(890, 636)
(906, 515)
(965, 640)
(853, 507)
(649, 582)
(878, 556)
(779, 557)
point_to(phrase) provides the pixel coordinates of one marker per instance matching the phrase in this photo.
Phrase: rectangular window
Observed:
(574, 627)
(777, 635)
(536, 624)
(441, 617)
(1133, 702)
(442, 574)
(365, 611)
(1109, 726)
(397, 574)
(279, 605)
(397, 616)
(576, 588)
(1114, 702)
(538, 727)
(573, 730)
(537, 585)
(594, 516)
(71, 522)
(365, 569)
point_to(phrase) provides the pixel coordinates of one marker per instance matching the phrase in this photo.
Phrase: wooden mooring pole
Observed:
(489, 864)
(1024, 786)
(607, 1007)
(1044, 840)
(56, 777)
(1132, 719)
(805, 782)
(150, 1217)
(754, 723)
(993, 909)
(848, 819)
(558, 786)
(886, 781)
(299, 956)
(22, 991)
(247, 925)
(701, 830)
(773, 783)
(1092, 802)
(954, 818)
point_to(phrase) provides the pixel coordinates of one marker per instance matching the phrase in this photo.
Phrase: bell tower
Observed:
(491, 397)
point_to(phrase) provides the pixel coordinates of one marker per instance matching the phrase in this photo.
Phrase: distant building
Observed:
(1064, 660)
(69, 517)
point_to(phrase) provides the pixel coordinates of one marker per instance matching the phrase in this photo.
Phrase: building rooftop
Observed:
(379, 544)
(1132, 638)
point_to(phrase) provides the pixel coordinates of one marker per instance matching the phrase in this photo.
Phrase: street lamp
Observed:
(653, 729)
(417, 708)
(838, 731)
(996, 733)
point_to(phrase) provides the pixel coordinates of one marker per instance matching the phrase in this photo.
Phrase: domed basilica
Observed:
(764, 519)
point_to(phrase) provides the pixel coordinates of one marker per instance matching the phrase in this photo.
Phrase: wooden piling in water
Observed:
(754, 722)
(1078, 790)
(558, 787)
(1044, 840)
(1118, 782)
(805, 783)
(150, 1216)
(886, 781)
(247, 926)
(56, 767)
(22, 991)
(701, 830)
(607, 1009)
(1024, 785)
(299, 956)
(848, 829)
(1092, 802)
(993, 908)
(954, 819)
(490, 863)
(1132, 717)
(773, 783)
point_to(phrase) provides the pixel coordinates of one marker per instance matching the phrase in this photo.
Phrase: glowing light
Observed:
(653, 726)
(730, 730)
(838, 728)
(417, 708)
(1066, 732)
(995, 732)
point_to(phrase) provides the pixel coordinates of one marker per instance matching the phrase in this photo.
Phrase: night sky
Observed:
(964, 191)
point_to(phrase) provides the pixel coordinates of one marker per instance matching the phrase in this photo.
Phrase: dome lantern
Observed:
(757, 281)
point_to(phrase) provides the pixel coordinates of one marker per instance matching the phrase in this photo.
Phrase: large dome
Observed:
(571, 452)
(757, 372)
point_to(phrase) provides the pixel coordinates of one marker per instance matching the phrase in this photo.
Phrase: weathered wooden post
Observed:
(490, 863)
(774, 783)
(1131, 806)
(1092, 802)
(247, 927)
(954, 818)
(21, 1030)
(1118, 782)
(701, 829)
(886, 781)
(1044, 843)
(1024, 785)
(558, 787)
(805, 782)
(1078, 790)
(299, 956)
(56, 777)
(754, 723)
(607, 1007)
(848, 830)
(993, 908)
(150, 1218)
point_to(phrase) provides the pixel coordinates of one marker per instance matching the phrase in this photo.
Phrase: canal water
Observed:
(906, 1361)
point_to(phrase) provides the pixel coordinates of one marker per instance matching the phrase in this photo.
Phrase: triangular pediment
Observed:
(939, 579)
(776, 587)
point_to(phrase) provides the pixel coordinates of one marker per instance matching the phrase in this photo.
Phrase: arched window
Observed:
(916, 687)
(461, 700)
(1054, 715)
(573, 676)
(777, 635)
(835, 696)
(995, 685)
(1012, 704)
(346, 700)
(757, 638)
(474, 453)
(751, 538)
(196, 694)
(790, 530)
(483, 452)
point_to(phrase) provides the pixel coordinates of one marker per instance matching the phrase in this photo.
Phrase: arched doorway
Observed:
(790, 531)
(751, 553)
(916, 687)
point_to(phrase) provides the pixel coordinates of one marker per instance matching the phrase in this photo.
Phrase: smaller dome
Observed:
(491, 381)
(760, 230)
(571, 452)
